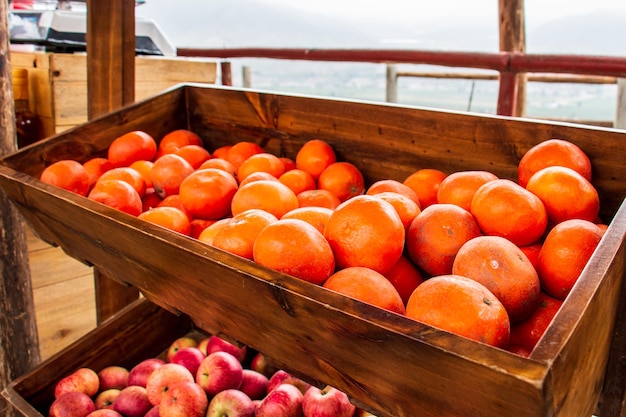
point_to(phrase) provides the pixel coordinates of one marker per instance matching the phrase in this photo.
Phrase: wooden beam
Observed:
(19, 343)
(513, 39)
(110, 84)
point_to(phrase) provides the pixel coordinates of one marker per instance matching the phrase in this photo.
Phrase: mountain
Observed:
(253, 23)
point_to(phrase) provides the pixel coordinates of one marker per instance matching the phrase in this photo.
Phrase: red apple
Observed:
(153, 412)
(219, 371)
(283, 401)
(202, 344)
(140, 373)
(189, 357)
(71, 404)
(283, 377)
(217, 344)
(184, 399)
(163, 378)
(113, 377)
(326, 402)
(260, 364)
(231, 403)
(254, 384)
(83, 380)
(132, 402)
(106, 398)
(180, 343)
(104, 412)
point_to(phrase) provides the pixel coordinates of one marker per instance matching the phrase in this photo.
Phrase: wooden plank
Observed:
(513, 39)
(51, 265)
(19, 347)
(65, 311)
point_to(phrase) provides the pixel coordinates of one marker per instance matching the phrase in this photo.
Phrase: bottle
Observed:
(27, 124)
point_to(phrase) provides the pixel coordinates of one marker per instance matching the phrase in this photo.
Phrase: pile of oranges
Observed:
(487, 258)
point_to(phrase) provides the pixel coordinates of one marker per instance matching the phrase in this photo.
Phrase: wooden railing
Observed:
(508, 65)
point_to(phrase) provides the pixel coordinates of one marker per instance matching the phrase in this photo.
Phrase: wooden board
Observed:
(58, 82)
(388, 364)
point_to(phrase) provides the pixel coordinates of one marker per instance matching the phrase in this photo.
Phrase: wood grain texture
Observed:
(316, 332)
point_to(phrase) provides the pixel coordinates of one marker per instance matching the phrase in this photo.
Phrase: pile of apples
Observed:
(197, 377)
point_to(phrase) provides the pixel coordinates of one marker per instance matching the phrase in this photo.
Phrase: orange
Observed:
(459, 187)
(197, 226)
(553, 152)
(318, 198)
(425, 182)
(406, 208)
(366, 285)
(241, 151)
(461, 306)
(342, 179)
(565, 253)
(405, 277)
(117, 194)
(296, 248)
(503, 268)
(366, 231)
(130, 147)
(315, 216)
(208, 233)
(69, 175)
(144, 168)
(175, 201)
(150, 199)
(261, 162)
(221, 152)
(168, 172)
(503, 208)
(565, 193)
(436, 235)
(257, 176)
(298, 180)
(532, 253)
(96, 167)
(194, 154)
(288, 163)
(394, 186)
(169, 217)
(527, 333)
(208, 193)
(176, 139)
(218, 163)
(271, 196)
(315, 156)
(128, 174)
(238, 235)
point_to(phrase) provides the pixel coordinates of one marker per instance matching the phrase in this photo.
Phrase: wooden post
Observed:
(513, 39)
(227, 74)
(392, 84)
(620, 117)
(246, 74)
(19, 342)
(110, 84)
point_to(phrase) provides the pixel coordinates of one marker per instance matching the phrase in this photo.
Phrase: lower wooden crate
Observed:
(386, 363)
(140, 331)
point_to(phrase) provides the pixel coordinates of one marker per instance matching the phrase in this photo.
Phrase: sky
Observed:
(534, 9)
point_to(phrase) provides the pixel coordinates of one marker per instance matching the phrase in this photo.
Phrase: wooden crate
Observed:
(58, 82)
(140, 331)
(387, 363)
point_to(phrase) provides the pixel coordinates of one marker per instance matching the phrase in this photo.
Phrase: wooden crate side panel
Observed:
(579, 368)
(285, 312)
(156, 116)
(388, 141)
